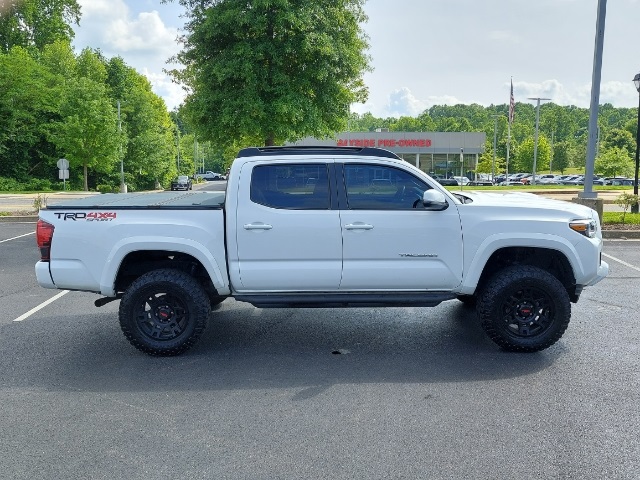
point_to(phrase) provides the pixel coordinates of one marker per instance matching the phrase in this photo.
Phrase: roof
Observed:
(316, 150)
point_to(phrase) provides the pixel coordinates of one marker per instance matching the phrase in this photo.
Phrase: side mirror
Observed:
(434, 200)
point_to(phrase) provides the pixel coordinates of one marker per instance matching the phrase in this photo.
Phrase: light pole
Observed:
(495, 133)
(123, 186)
(636, 82)
(535, 141)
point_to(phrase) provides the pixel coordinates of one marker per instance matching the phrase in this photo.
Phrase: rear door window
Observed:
(291, 186)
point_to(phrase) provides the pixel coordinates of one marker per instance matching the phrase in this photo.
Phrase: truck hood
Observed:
(525, 200)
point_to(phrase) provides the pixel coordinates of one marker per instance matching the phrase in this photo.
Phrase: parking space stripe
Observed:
(19, 236)
(621, 261)
(41, 306)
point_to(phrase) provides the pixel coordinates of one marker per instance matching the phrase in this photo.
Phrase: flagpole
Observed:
(506, 173)
(512, 106)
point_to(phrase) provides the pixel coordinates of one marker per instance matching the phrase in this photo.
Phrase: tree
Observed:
(613, 162)
(523, 160)
(29, 101)
(561, 156)
(620, 138)
(36, 23)
(269, 71)
(148, 145)
(87, 135)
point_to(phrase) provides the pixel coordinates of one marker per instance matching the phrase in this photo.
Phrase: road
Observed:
(315, 393)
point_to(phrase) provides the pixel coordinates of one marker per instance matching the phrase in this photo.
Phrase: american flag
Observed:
(512, 104)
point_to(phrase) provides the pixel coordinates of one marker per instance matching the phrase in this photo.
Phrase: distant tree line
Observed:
(562, 134)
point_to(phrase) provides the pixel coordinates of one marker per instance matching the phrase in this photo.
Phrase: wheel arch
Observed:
(133, 259)
(550, 260)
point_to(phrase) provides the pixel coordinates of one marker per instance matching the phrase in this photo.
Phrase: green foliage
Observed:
(618, 217)
(29, 101)
(561, 156)
(614, 162)
(619, 138)
(626, 200)
(108, 188)
(524, 156)
(269, 71)
(87, 133)
(36, 23)
(10, 185)
(39, 202)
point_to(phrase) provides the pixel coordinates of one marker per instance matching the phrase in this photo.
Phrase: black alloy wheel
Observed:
(524, 308)
(164, 312)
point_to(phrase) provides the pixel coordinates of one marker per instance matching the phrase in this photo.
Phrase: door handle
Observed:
(257, 226)
(358, 226)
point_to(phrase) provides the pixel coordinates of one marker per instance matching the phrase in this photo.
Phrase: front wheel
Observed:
(164, 312)
(524, 309)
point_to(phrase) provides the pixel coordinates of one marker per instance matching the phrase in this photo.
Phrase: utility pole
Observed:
(551, 159)
(123, 186)
(535, 141)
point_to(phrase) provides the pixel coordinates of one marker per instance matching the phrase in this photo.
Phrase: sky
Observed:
(425, 52)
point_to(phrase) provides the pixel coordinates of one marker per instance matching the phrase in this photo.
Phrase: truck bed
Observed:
(145, 200)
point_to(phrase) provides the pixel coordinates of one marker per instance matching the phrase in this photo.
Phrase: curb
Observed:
(621, 234)
(19, 219)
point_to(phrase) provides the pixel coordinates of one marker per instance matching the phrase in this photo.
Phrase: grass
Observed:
(616, 217)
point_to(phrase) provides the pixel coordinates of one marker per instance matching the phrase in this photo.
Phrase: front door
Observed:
(389, 241)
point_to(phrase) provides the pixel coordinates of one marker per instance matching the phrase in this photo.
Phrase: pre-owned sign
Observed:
(385, 142)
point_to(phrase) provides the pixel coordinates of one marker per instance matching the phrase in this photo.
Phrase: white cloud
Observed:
(402, 102)
(614, 92)
(141, 38)
(172, 93)
(146, 33)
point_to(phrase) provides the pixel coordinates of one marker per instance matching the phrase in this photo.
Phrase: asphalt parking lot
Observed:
(315, 393)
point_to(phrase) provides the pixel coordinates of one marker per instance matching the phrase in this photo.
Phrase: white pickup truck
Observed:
(324, 227)
(209, 176)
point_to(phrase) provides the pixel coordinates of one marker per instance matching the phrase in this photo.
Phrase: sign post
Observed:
(63, 174)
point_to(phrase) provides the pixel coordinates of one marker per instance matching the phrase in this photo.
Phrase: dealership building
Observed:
(443, 153)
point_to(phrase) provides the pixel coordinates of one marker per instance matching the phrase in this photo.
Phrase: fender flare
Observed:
(140, 243)
(495, 242)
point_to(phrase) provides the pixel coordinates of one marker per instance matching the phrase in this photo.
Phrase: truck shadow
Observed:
(249, 348)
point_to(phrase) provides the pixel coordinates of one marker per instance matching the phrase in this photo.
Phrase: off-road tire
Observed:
(524, 309)
(164, 312)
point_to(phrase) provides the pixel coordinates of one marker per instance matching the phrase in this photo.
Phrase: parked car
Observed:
(181, 183)
(444, 181)
(461, 180)
(617, 181)
(210, 176)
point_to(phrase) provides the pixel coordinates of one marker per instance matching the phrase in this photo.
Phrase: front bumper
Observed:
(603, 271)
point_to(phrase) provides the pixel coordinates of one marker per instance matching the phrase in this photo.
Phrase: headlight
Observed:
(586, 227)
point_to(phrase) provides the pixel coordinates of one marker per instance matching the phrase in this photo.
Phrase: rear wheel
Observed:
(164, 312)
(524, 308)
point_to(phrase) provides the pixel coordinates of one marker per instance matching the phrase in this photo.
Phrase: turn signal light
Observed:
(585, 227)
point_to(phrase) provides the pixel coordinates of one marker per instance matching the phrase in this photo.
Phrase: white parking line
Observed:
(622, 262)
(19, 236)
(41, 306)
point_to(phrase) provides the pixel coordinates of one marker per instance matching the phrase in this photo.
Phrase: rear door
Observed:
(390, 242)
(288, 234)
